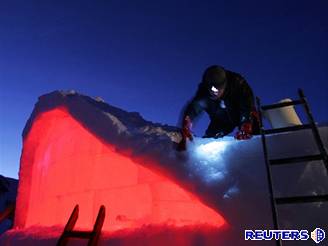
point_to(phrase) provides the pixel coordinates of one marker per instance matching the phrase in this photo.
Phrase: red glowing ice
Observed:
(64, 164)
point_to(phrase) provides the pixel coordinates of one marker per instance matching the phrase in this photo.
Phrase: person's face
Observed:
(216, 93)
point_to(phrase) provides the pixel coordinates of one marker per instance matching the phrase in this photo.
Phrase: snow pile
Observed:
(226, 175)
(8, 192)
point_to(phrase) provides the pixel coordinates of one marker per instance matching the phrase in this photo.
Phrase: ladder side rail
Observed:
(95, 234)
(69, 226)
(314, 128)
(269, 176)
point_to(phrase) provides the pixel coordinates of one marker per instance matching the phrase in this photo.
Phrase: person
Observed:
(228, 100)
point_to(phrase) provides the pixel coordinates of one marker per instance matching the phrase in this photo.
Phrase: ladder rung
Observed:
(287, 129)
(295, 159)
(79, 234)
(280, 105)
(302, 199)
(93, 235)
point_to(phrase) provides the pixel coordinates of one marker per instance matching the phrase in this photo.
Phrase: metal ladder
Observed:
(270, 162)
(93, 235)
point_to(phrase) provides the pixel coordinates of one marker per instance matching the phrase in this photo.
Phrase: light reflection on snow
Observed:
(212, 150)
(208, 159)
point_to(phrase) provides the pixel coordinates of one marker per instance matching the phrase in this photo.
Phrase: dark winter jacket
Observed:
(237, 101)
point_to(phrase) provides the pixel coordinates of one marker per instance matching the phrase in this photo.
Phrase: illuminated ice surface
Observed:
(225, 175)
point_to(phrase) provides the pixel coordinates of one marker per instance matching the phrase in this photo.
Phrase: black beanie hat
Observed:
(215, 76)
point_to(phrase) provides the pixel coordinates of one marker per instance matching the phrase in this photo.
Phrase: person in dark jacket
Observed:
(228, 100)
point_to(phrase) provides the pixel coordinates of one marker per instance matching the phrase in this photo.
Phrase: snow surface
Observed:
(228, 175)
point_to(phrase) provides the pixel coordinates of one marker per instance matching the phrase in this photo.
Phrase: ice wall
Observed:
(72, 166)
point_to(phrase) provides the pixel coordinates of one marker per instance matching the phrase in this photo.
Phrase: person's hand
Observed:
(186, 134)
(245, 131)
(186, 129)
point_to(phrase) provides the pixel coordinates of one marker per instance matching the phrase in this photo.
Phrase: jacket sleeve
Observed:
(195, 108)
(246, 102)
(197, 105)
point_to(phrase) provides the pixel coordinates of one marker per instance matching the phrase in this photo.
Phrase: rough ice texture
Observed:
(225, 175)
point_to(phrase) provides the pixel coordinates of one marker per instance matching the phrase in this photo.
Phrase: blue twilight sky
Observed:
(148, 56)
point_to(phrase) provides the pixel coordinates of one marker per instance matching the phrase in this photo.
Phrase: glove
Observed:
(186, 133)
(186, 128)
(245, 131)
